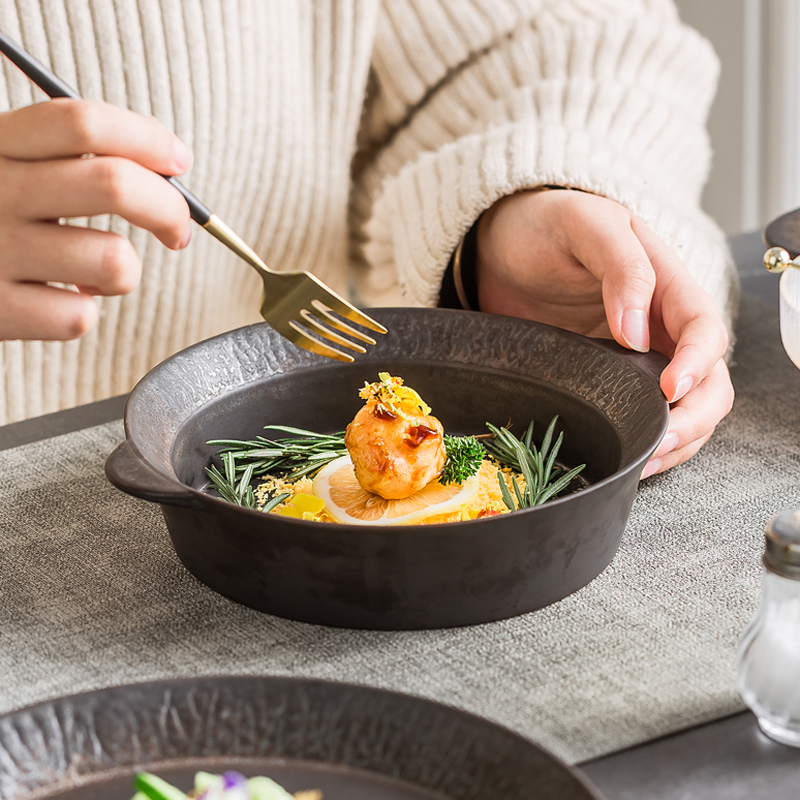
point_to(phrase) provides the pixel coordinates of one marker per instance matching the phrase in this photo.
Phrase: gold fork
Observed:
(289, 295)
(295, 304)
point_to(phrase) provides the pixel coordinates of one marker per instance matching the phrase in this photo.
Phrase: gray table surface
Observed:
(728, 759)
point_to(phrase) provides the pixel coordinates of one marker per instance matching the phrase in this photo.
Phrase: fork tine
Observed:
(299, 337)
(345, 309)
(333, 322)
(317, 327)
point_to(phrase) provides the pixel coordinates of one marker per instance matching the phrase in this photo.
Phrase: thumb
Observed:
(618, 260)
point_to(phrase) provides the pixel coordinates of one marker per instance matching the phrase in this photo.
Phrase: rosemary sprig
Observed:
(302, 454)
(238, 490)
(275, 500)
(464, 457)
(299, 455)
(543, 479)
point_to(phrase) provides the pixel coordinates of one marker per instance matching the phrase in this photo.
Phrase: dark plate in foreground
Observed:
(352, 742)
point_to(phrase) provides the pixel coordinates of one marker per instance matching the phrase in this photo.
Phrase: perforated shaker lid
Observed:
(782, 554)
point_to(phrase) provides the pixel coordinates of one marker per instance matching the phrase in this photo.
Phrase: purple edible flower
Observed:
(232, 786)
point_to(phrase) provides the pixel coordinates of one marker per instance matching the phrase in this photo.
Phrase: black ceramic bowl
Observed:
(470, 368)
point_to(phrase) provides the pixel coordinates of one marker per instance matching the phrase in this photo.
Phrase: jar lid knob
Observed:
(782, 554)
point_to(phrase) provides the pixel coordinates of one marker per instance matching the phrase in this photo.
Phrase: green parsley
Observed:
(464, 457)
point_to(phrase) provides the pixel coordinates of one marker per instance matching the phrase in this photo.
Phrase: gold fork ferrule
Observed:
(225, 234)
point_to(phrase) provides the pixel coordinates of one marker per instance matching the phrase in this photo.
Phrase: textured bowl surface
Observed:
(353, 743)
(472, 369)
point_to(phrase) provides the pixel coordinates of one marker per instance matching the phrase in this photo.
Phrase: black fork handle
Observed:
(53, 86)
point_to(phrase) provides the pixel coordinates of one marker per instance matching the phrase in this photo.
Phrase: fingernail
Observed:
(183, 155)
(682, 389)
(653, 466)
(186, 238)
(667, 445)
(635, 331)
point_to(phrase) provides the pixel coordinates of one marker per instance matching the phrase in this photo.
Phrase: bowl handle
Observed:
(128, 471)
(651, 363)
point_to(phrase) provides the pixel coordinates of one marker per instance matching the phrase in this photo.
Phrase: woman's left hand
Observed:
(584, 263)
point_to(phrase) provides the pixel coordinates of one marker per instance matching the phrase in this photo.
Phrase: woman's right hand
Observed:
(44, 177)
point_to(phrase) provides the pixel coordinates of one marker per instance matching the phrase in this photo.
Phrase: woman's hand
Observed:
(44, 177)
(584, 263)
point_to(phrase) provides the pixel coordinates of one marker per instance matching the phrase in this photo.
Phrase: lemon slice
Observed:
(346, 501)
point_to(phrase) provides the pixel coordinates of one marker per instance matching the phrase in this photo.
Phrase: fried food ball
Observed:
(395, 456)
(396, 446)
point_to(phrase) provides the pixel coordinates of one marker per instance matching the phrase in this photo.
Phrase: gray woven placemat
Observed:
(91, 593)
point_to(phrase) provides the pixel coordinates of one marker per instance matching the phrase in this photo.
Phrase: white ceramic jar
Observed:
(790, 313)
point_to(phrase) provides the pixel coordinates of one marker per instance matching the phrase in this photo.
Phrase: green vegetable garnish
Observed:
(204, 780)
(543, 479)
(262, 788)
(464, 457)
(155, 788)
(303, 454)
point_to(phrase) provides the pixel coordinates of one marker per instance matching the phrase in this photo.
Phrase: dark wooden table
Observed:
(728, 759)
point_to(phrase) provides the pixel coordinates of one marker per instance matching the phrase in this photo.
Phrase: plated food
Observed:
(393, 465)
(230, 785)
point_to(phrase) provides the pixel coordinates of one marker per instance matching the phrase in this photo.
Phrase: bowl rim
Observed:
(605, 344)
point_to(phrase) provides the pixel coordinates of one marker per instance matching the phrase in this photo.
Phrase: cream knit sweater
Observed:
(359, 139)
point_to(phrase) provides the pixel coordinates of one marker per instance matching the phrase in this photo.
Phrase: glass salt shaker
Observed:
(769, 653)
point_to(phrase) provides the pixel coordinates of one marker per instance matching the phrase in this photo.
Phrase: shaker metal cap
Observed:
(782, 554)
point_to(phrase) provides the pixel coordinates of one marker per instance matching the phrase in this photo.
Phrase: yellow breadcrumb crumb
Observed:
(489, 500)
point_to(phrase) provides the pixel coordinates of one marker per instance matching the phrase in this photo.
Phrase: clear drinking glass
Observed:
(769, 654)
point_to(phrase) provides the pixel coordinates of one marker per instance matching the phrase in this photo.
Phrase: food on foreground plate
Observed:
(228, 786)
(394, 465)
